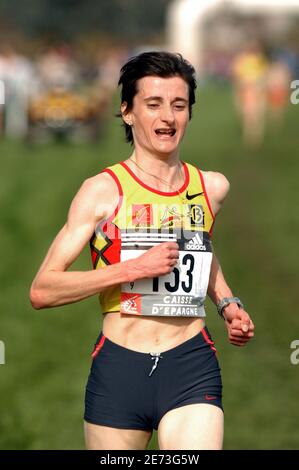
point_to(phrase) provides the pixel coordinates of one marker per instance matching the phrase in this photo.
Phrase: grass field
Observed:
(48, 351)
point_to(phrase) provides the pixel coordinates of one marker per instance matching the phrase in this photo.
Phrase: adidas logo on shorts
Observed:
(196, 243)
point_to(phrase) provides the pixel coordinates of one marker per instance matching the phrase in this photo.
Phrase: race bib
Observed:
(179, 293)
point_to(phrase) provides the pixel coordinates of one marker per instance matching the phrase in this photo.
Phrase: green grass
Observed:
(48, 351)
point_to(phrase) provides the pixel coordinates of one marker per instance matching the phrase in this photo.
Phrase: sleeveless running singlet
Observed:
(144, 218)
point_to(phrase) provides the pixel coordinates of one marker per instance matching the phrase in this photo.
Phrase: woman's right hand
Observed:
(157, 261)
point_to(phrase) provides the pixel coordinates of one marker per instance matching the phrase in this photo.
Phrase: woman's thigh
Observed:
(107, 438)
(194, 427)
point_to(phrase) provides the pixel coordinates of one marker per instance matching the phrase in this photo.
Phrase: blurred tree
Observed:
(65, 19)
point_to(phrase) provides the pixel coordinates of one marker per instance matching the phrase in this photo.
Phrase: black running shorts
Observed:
(133, 390)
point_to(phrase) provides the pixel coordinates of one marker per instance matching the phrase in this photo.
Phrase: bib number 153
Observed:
(186, 268)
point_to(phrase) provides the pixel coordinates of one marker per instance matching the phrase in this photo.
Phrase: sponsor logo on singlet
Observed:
(197, 215)
(142, 215)
(171, 217)
(196, 243)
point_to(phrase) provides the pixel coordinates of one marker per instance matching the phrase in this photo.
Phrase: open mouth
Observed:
(167, 132)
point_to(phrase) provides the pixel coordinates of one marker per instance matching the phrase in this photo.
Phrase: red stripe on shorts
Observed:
(208, 340)
(98, 347)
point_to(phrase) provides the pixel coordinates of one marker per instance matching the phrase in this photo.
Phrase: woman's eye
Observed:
(179, 107)
(153, 105)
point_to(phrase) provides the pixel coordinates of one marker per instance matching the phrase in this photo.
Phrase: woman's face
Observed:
(159, 115)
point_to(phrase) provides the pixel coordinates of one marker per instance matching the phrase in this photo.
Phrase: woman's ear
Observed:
(126, 115)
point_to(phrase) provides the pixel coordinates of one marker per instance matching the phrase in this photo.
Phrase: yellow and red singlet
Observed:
(144, 218)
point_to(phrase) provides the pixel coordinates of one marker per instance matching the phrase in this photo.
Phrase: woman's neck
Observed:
(165, 167)
(163, 175)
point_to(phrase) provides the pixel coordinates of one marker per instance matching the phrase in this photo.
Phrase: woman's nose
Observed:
(167, 114)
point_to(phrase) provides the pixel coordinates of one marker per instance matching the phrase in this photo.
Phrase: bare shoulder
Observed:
(96, 198)
(217, 187)
(99, 183)
(216, 183)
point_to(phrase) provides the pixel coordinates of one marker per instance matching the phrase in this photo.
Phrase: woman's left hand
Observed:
(239, 325)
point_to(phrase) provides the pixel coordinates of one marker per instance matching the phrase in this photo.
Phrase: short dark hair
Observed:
(160, 64)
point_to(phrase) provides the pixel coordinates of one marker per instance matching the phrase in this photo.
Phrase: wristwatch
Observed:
(225, 302)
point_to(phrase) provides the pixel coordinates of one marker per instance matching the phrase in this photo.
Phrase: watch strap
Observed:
(225, 302)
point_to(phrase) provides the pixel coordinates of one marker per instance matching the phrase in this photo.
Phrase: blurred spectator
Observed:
(56, 69)
(217, 65)
(16, 72)
(73, 99)
(278, 89)
(289, 56)
(249, 71)
(108, 69)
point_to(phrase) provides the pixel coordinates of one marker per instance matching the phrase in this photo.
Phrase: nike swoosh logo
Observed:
(208, 397)
(192, 196)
